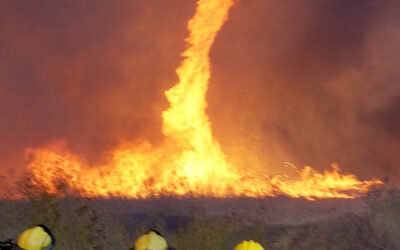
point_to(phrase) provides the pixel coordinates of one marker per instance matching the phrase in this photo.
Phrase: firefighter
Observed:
(152, 240)
(248, 245)
(36, 238)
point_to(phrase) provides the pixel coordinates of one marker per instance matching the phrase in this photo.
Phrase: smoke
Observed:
(312, 82)
(88, 72)
(308, 82)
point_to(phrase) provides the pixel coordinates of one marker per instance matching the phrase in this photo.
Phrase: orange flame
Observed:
(190, 161)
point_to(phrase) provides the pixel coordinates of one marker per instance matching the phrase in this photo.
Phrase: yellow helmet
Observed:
(152, 240)
(248, 245)
(36, 238)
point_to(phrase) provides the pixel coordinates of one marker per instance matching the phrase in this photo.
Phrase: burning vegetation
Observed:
(190, 161)
(188, 188)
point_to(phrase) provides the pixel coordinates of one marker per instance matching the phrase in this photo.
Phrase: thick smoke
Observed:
(308, 82)
(88, 72)
(311, 83)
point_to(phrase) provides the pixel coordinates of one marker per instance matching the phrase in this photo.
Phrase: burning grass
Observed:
(370, 222)
(190, 160)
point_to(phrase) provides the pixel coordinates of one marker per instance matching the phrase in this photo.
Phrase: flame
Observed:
(190, 160)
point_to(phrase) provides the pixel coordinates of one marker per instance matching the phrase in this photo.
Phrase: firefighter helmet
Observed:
(36, 238)
(248, 245)
(152, 240)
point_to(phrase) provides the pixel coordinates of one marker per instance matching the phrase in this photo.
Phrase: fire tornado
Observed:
(190, 161)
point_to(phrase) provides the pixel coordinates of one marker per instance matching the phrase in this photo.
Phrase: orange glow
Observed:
(190, 160)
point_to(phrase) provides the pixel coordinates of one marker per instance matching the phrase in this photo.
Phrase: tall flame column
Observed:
(186, 122)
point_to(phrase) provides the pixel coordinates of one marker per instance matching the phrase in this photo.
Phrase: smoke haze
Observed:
(312, 82)
(308, 82)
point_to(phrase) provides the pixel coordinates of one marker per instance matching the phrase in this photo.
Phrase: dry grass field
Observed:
(369, 222)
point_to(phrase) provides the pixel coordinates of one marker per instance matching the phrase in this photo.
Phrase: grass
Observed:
(371, 222)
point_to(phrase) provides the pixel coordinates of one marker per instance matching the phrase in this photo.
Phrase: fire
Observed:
(328, 185)
(190, 160)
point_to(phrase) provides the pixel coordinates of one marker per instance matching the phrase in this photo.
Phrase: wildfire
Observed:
(189, 161)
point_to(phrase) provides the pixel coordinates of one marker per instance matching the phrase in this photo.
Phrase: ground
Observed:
(368, 222)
